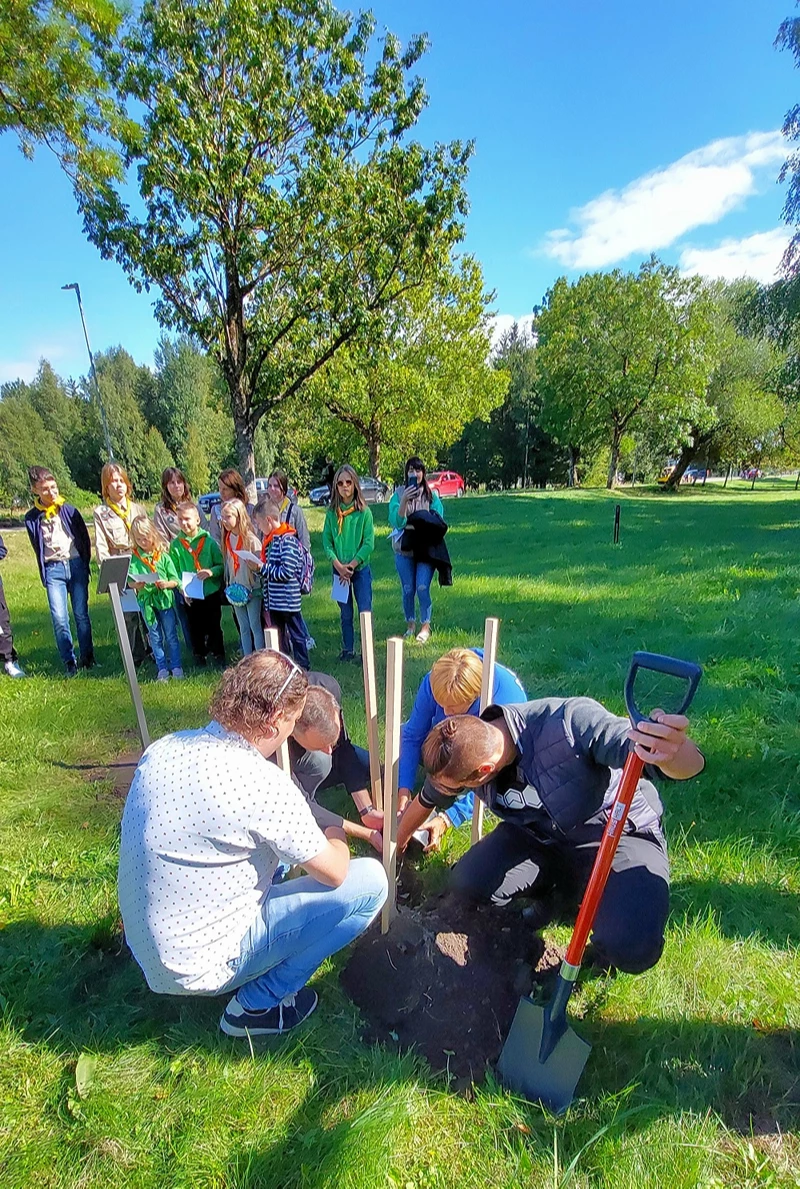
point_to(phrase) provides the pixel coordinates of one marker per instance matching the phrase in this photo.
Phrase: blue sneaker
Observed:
(291, 1011)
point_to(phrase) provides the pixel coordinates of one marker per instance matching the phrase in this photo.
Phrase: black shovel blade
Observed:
(521, 1069)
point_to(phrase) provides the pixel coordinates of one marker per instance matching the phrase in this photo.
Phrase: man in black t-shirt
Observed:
(549, 769)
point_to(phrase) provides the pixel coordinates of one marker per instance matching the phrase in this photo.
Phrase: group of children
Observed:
(255, 558)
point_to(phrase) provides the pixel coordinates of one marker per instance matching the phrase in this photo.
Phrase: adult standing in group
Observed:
(231, 486)
(175, 490)
(8, 653)
(348, 539)
(292, 514)
(415, 575)
(207, 822)
(112, 534)
(60, 540)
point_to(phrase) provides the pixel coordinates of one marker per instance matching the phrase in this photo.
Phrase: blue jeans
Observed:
(183, 617)
(248, 621)
(361, 588)
(70, 578)
(415, 579)
(164, 640)
(301, 923)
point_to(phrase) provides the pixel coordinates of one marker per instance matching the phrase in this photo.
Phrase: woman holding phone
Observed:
(415, 576)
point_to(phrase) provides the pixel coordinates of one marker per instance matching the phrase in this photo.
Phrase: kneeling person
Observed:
(323, 757)
(549, 770)
(206, 823)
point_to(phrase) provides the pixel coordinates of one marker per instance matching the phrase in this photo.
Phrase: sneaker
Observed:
(72, 670)
(162, 675)
(344, 655)
(177, 674)
(410, 631)
(291, 1011)
(310, 642)
(424, 635)
(14, 670)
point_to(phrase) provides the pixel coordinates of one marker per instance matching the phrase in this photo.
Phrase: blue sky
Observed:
(603, 132)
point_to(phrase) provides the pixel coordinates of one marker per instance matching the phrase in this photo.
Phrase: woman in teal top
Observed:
(348, 539)
(415, 576)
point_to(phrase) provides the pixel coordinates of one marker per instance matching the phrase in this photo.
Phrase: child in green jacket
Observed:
(348, 539)
(156, 599)
(194, 551)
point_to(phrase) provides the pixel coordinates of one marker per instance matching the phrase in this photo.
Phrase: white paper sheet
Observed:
(146, 578)
(192, 586)
(246, 555)
(340, 591)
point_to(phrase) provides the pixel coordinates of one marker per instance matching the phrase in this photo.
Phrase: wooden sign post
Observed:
(371, 703)
(113, 577)
(487, 691)
(273, 641)
(394, 706)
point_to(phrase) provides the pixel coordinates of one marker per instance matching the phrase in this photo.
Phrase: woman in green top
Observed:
(415, 576)
(156, 598)
(348, 539)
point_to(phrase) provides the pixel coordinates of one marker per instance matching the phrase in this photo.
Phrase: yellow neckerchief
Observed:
(285, 504)
(125, 516)
(52, 509)
(341, 513)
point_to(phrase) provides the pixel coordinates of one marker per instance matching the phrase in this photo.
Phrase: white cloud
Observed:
(653, 211)
(18, 369)
(757, 256)
(503, 322)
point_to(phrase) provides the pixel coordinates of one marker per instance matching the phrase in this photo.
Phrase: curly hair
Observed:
(250, 695)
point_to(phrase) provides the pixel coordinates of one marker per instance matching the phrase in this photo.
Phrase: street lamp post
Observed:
(106, 434)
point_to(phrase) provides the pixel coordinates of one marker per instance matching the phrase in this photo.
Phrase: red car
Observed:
(446, 483)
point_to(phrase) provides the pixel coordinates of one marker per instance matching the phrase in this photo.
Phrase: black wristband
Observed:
(366, 809)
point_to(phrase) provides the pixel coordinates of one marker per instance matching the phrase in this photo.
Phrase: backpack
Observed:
(307, 573)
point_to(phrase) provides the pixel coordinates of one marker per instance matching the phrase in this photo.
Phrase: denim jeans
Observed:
(361, 588)
(415, 579)
(183, 617)
(164, 640)
(248, 621)
(301, 923)
(293, 634)
(63, 579)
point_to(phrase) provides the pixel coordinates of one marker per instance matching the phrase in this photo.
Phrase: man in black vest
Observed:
(549, 770)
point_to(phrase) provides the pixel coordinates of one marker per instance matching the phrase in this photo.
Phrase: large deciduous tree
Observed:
(283, 205)
(52, 90)
(617, 347)
(413, 382)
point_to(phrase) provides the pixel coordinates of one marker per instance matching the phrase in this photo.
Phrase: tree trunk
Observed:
(687, 455)
(613, 461)
(373, 436)
(572, 466)
(244, 433)
(728, 475)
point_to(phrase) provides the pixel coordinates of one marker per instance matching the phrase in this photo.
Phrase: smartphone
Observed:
(412, 484)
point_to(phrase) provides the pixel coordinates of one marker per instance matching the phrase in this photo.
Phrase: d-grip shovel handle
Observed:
(623, 800)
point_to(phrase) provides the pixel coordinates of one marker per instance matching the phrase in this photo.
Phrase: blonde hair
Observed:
(243, 527)
(145, 527)
(108, 472)
(347, 472)
(267, 509)
(457, 677)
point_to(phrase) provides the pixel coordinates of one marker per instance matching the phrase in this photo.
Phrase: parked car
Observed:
(212, 499)
(750, 473)
(446, 483)
(374, 491)
(695, 475)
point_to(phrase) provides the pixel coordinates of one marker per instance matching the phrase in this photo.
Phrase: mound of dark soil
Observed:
(446, 979)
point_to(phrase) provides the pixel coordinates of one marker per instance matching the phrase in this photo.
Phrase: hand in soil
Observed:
(437, 828)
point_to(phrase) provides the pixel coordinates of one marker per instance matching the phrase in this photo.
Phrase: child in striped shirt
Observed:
(281, 570)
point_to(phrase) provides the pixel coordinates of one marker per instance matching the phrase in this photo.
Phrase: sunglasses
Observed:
(344, 482)
(294, 669)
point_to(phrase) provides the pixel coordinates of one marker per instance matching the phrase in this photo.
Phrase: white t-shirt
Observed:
(206, 822)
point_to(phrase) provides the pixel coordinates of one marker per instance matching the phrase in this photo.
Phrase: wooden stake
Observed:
(487, 691)
(273, 641)
(371, 704)
(394, 705)
(128, 665)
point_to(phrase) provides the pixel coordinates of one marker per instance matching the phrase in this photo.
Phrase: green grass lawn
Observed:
(694, 1078)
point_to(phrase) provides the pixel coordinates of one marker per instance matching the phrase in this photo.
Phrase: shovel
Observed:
(542, 1058)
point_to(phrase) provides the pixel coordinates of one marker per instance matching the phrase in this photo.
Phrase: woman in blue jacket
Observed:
(453, 686)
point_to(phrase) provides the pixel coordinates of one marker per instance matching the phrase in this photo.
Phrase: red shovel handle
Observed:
(604, 858)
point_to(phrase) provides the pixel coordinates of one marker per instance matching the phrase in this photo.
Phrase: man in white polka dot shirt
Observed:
(206, 824)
